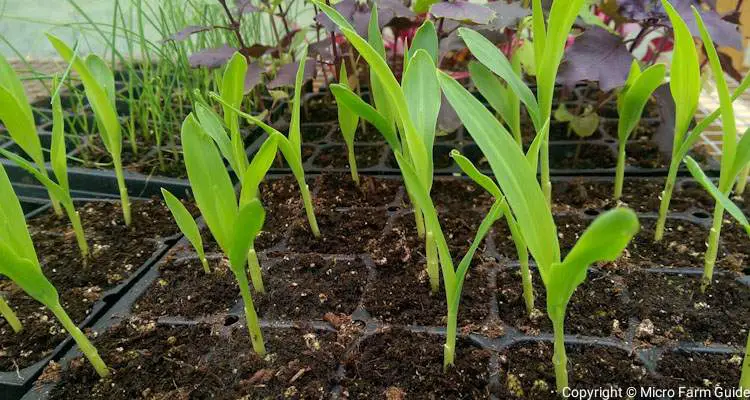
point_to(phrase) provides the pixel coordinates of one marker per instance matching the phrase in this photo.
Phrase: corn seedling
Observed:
(723, 200)
(348, 121)
(291, 146)
(414, 105)
(99, 84)
(60, 190)
(7, 312)
(631, 101)
(21, 265)
(515, 172)
(16, 115)
(234, 226)
(187, 225)
(549, 45)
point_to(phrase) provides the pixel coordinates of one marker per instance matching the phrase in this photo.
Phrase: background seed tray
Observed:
(493, 333)
(14, 383)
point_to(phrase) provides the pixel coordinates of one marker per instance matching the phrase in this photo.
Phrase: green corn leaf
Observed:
(422, 92)
(58, 153)
(258, 169)
(742, 158)
(185, 221)
(425, 39)
(27, 274)
(603, 240)
(233, 90)
(13, 229)
(472, 172)
(348, 119)
(532, 155)
(55, 190)
(106, 80)
(345, 96)
(210, 182)
(562, 15)
(247, 224)
(539, 30)
(212, 125)
(685, 75)
(422, 6)
(16, 115)
(492, 58)
(379, 96)
(720, 197)
(96, 92)
(492, 89)
(635, 96)
(295, 136)
(728, 123)
(511, 169)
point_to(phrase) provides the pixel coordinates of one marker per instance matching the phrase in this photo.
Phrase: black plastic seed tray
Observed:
(493, 332)
(14, 383)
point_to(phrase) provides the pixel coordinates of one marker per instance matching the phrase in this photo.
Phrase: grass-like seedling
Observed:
(722, 199)
(291, 146)
(16, 115)
(413, 106)
(99, 83)
(19, 262)
(734, 156)
(549, 46)
(348, 121)
(60, 190)
(187, 225)
(7, 312)
(631, 101)
(514, 171)
(500, 97)
(234, 226)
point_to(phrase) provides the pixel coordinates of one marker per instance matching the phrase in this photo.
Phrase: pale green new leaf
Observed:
(379, 95)
(27, 274)
(58, 153)
(532, 155)
(258, 169)
(511, 169)
(246, 226)
(105, 79)
(185, 221)
(210, 182)
(422, 6)
(426, 39)
(213, 126)
(21, 129)
(720, 197)
(353, 102)
(585, 125)
(685, 75)
(13, 229)
(13, 85)
(728, 123)
(492, 89)
(348, 119)
(539, 30)
(233, 90)
(55, 190)
(422, 92)
(489, 55)
(635, 95)
(472, 172)
(603, 240)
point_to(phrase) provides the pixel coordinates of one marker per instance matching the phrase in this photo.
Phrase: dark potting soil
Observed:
(116, 251)
(645, 154)
(396, 364)
(283, 204)
(644, 131)
(339, 190)
(455, 196)
(149, 361)
(314, 132)
(183, 289)
(95, 155)
(319, 109)
(677, 310)
(596, 308)
(336, 156)
(581, 156)
(307, 152)
(307, 287)
(441, 158)
(686, 369)
(526, 370)
(402, 295)
(342, 232)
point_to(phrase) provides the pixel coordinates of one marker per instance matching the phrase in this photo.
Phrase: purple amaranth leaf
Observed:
(212, 58)
(463, 11)
(245, 7)
(596, 56)
(256, 50)
(390, 10)
(506, 15)
(664, 135)
(253, 76)
(286, 75)
(322, 48)
(358, 15)
(186, 32)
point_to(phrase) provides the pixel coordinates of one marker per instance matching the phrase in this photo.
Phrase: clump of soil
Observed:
(149, 361)
(596, 308)
(396, 364)
(117, 251)
(678, 310)
(526, 370)
(309, 286)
